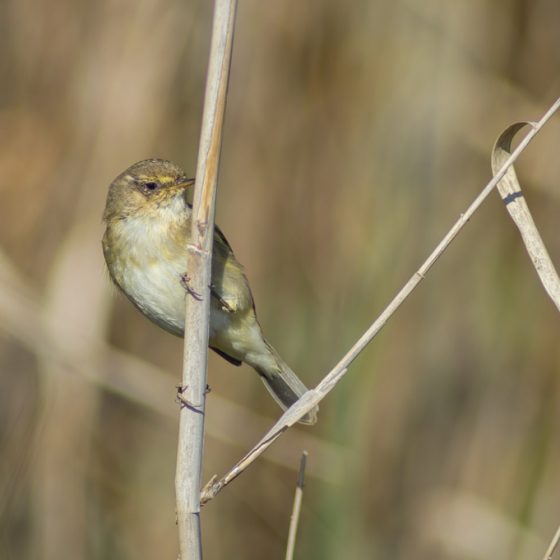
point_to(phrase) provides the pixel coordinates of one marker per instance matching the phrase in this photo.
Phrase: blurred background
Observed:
(355, 135)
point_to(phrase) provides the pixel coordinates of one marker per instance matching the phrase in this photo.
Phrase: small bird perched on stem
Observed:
(148, 225)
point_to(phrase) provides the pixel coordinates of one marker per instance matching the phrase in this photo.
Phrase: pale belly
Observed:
(157, 291)
(150, 273)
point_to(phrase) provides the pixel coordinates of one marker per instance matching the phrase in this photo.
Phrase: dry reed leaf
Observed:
(510, 192)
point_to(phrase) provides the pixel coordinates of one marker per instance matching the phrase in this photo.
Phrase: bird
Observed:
(147, 229)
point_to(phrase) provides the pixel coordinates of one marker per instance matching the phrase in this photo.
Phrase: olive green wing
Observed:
(221, 241)
(230, 289)
(230, 286)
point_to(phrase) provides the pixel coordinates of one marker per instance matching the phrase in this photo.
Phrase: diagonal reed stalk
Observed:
(312, 397)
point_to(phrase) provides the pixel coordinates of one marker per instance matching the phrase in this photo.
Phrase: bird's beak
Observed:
(184, 184)
(178, 188)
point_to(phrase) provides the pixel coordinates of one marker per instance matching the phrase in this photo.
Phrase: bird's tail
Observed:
(283, 384)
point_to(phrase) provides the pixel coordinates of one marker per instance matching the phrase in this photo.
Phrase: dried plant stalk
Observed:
(296, 510)
(199, 260)
(552, 546)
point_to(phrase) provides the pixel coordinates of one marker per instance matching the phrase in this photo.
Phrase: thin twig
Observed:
(314, 396)
(552, 546)
(296, 510)
(199, 261)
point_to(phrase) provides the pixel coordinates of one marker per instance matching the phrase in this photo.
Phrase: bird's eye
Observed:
(151, 186)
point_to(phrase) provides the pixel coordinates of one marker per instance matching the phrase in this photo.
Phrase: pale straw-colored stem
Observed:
(296, 510)
(199, 260)
(552, 546)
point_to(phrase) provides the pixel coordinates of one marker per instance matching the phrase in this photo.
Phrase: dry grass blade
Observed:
(296, 510)
(510, 191)
(314, 396)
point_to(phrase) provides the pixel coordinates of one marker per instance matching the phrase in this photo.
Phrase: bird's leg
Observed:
(185, 283)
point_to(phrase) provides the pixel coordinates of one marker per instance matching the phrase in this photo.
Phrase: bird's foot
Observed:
(184, 402)
(224, 304)
(185, 283)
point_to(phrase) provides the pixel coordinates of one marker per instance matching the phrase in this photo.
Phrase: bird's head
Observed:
(145, 188)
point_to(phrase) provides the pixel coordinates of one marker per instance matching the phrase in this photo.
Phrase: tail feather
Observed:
(284, 385)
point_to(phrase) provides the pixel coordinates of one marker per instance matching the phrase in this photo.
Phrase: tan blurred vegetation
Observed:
(355, 135)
